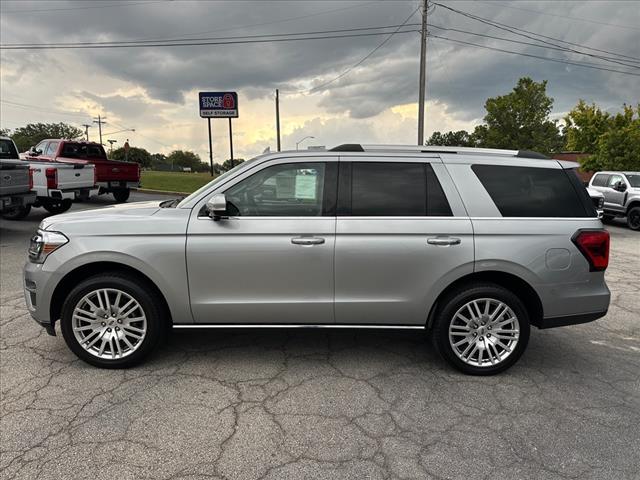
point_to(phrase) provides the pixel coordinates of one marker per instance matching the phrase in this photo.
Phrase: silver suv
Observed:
(472, 245)
(621, 192)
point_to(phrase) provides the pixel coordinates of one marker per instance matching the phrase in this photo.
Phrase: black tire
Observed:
(121, 195)
(17, 213)
(607, 218)
(152, 306)
(460, 297)
(58, 207)
(633, 218)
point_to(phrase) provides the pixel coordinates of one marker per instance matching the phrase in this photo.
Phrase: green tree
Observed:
(136, 154)
(520, 120)
(584, 125)
(618, 146)
(461, 138)
(226, 166)
(5, 132)
(33, 133)
(185, 159)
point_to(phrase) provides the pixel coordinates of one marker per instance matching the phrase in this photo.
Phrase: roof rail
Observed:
(356, 147)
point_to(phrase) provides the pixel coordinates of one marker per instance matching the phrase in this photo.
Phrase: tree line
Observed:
(520, 120)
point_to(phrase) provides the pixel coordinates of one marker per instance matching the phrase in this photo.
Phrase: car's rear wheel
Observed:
(482, 329)
(58, 207)
(16, 213)
(633, 218)
(112, 321)
(121, 194)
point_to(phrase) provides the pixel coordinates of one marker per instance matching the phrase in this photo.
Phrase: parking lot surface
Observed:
(320, 404)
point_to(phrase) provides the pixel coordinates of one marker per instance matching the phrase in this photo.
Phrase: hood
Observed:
(126, 211)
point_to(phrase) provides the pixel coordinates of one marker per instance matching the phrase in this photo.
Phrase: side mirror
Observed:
(620, 186)
(217, 207)
(33, 151)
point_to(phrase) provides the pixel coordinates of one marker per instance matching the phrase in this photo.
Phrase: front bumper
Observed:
(37, 284)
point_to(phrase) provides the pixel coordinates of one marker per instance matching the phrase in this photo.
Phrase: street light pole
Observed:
(300, 141)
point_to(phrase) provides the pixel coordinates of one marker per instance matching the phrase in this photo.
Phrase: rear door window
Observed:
(394, 189)
(531, 191)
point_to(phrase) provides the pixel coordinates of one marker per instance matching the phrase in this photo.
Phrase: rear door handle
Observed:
(307, 240)
(443, 241)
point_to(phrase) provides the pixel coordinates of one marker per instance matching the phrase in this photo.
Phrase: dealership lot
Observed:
(316, 404)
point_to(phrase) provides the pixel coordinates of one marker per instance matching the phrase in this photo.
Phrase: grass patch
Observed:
(173, 181)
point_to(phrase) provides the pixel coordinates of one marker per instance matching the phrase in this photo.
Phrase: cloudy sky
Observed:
(155, 89)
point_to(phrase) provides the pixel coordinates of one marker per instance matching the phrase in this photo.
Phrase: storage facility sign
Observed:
(219, 104)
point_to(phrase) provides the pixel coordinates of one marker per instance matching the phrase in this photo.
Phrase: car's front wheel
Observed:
(112, 320)
(482, 329)
(633, 218)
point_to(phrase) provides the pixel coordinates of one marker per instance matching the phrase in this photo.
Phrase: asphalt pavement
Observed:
(315, 404)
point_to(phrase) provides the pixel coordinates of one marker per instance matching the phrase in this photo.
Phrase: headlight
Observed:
(45, 243)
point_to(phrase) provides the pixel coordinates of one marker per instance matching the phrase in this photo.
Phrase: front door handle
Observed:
(443, 241)
(307, 240)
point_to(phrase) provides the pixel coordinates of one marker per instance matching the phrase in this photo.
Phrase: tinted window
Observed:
(531, 192)
(396, 189)
(294, 189)
(600, 180)
(634, 180)
(42, 146)
(8, 150)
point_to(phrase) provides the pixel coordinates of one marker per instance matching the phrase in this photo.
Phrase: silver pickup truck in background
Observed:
(55, 184)
(15, 186)
(621, 192)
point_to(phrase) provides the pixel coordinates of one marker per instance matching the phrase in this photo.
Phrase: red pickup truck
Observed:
(112, 176)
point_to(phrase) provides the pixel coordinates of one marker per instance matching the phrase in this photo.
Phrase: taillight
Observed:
(594, 245)
(31, 179)
(52, 177)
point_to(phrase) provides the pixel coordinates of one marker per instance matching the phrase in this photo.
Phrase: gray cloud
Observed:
(460, 76)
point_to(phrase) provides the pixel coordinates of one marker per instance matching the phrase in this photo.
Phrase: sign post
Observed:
(219, 105)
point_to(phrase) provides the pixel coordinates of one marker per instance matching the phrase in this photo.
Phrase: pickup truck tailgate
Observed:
(112, 171)
(78, 176)
(14, 178)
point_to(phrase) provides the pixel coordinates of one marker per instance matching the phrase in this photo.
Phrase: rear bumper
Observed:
(552, 322)
(107, 186)
(18, 200)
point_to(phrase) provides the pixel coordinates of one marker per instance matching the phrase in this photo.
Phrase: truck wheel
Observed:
(58, 207)
(16, 213)
(633, 218)
(121, 195)
(481, 329)
(112, 320)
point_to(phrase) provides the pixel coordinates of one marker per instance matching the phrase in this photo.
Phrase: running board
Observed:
(296, 325)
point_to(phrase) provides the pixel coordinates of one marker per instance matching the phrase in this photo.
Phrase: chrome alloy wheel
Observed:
(484, 332)
(109, 323)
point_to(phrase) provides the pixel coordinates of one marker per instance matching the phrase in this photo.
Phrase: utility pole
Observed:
(278, 117)
(100, 121)
(86, 130)
(423, 74)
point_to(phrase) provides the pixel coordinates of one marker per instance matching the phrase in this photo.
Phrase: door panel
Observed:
(253, 268)
(613, 198)
(387, 271)
(248, 270)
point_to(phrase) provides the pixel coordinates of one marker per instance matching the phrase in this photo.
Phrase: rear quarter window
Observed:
(600, 180)
(533, 192)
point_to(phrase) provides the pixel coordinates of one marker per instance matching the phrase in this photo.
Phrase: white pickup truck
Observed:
(56, 185)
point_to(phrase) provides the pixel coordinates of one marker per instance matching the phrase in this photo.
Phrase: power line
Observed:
(562, 49)
(85, 7)
(363, 59)
(503, 5)
(557, 60)
(206, 39)
(40, 109)
(527, 34)
(195, 44)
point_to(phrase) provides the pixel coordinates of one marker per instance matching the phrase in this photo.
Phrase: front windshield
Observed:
(218, 179)
(634, 179)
